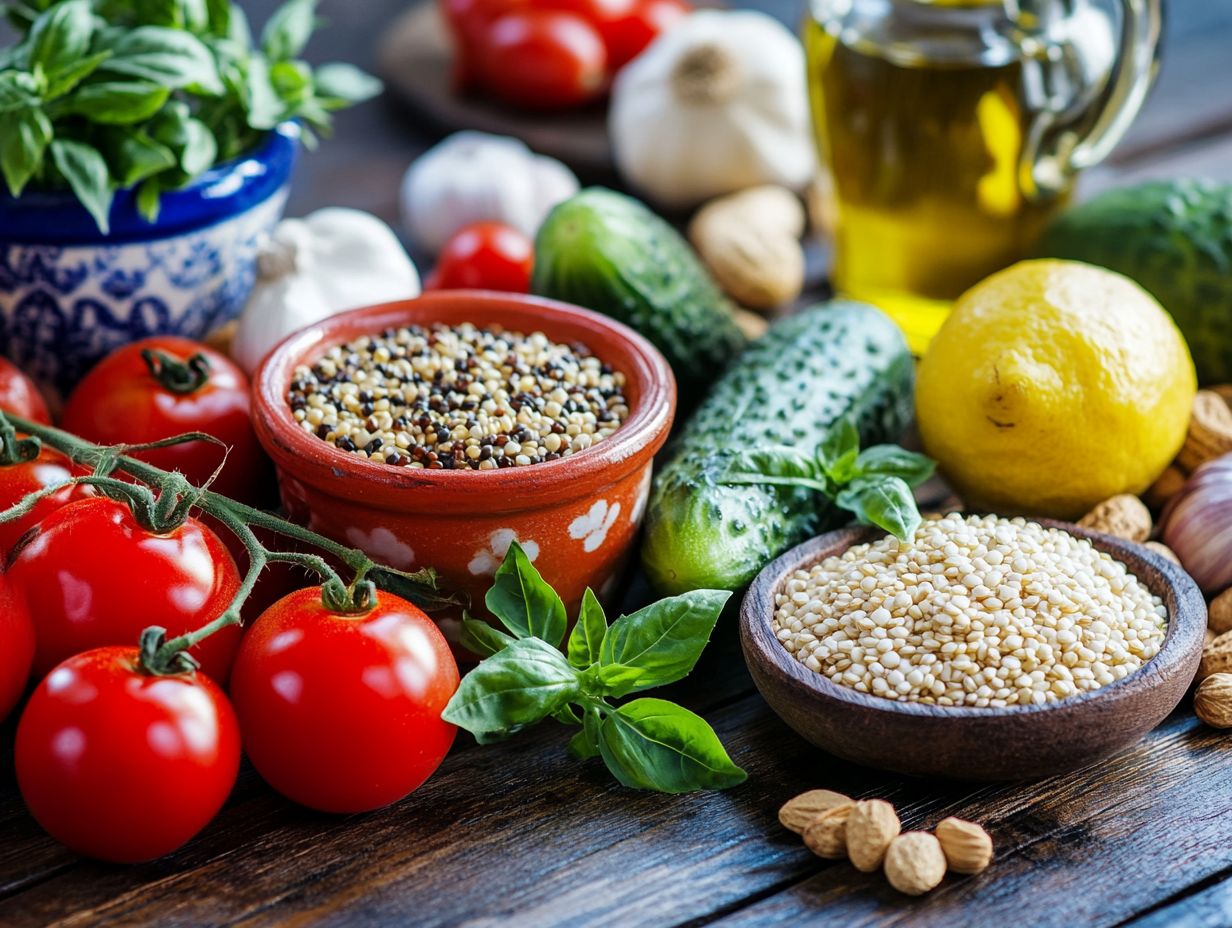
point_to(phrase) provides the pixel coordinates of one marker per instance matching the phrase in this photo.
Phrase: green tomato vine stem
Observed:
(162, 500)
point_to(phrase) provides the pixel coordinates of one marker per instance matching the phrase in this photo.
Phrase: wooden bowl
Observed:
(1013, 743)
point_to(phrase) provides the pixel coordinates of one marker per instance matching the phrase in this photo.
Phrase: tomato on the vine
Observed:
(50, 468)
(626, 26)
(120, 764)
(484, 256)
(542, 59)
(342, 713)
(16, 647)
(640, 23)
(160, 387)
(92, 575)
(20, 396)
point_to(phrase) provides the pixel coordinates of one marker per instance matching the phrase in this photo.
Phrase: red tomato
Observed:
(93, 576)
(468, 22)
(543, 59)
(484, 256)
(19, 480)
(123, 765)
(640, 23)
(342, 713)
(20, 396)
(122, 401)
(16, 647)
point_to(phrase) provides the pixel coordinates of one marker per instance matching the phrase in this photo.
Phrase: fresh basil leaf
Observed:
(168, 57)
(886, 502)
(616, 679)
(839, 450)
(18, 90)
(265, 109)
(893, 461)
(567, 715)
(585, 744)
(523, 600)
(238, 29)
(61, 35)
(23, 14)
(666, 638)
(480, 638)
(523, 684)
(495, 737)
(289, 29)
(777, 462)
(339, 84)
(83, 167)
(654, 744)
(587, 635)
(22, 145)
(292, 82)
(200, 149)
(134, 156)
(218, 17)
(14, 56)
(116, 102)
(149, 196)
(196, 15)
(65, 79)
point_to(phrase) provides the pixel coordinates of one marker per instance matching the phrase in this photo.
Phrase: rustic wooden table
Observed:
(518, 834)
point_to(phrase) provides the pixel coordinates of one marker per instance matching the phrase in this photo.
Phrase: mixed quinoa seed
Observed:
(976, 611)
(457, 397)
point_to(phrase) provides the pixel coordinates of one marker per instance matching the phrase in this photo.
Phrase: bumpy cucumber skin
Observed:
(606, 251)
(788, 388)
(1175, 239)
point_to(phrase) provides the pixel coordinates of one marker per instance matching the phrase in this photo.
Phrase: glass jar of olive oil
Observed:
(951, 130)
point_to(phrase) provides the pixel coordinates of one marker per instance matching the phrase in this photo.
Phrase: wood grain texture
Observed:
(516, 834)
(1011, 743)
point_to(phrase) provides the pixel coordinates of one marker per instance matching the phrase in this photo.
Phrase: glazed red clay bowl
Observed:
(576, 517)
(967, 743)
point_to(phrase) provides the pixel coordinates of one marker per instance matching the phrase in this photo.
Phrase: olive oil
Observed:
(926, 158)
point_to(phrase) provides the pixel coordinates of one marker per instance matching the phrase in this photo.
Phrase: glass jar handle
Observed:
(1136, 63)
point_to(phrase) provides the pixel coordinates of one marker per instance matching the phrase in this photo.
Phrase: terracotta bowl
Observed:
(576, 516)
(1014, 743)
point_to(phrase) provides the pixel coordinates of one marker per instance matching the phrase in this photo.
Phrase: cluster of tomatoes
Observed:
(551, 54)
(337, 710)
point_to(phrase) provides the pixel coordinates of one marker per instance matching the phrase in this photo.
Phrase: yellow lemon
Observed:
(1052, 386)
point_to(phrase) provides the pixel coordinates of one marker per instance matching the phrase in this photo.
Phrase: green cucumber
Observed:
(1174, 237)
(789, 388)
(608, 252)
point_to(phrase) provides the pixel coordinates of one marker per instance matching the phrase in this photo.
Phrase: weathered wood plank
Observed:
(1209, 908)
(521, 836)
(1090, 849)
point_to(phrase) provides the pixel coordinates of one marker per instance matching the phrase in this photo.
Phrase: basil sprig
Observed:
(874, 484)
(524, 678)
(100, 95)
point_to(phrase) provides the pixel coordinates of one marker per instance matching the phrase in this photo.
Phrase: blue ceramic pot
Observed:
(70, 295)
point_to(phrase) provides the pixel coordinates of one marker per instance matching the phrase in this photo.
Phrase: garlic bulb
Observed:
(330, 261)
(474, 176)
(716, 104)
(1197, 525)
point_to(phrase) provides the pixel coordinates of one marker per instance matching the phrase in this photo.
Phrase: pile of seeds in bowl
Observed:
(455, 397)
(976, 611)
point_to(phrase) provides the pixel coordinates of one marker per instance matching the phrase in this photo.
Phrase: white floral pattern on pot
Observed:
(592, 528)
(643, 497)
(382, 546)
(486, 560)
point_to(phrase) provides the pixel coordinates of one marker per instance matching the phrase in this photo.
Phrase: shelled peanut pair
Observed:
(869, 834)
